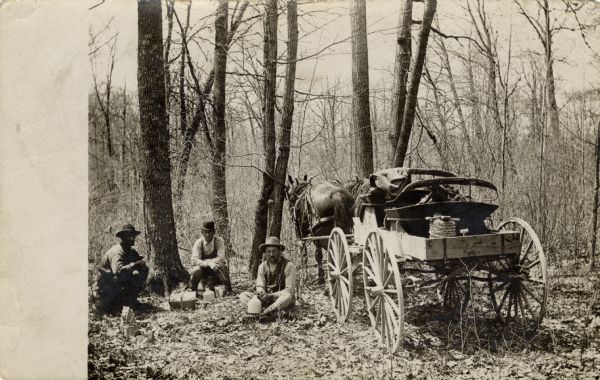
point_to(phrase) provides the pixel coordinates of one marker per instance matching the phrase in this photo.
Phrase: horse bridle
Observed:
(300, 190)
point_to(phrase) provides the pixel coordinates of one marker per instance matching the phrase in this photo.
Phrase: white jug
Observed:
(209, 295)
(254, 306)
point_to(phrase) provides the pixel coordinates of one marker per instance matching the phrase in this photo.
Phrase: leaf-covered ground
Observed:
(218, 342)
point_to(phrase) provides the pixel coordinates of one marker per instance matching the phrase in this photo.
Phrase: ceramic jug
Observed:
(254, 306)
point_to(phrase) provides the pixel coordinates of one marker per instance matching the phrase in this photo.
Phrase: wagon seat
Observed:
(409, 210)
(386, 189)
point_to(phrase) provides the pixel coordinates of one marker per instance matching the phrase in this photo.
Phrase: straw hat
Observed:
(127, 228)
(272, 241)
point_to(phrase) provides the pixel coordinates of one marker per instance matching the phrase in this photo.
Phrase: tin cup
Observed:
(219, 291)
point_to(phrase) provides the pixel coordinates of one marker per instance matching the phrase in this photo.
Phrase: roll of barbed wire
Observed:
(442, 226)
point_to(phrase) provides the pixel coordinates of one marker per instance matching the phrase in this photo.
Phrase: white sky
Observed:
(573, 68)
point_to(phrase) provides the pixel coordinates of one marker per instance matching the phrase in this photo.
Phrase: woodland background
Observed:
(508, 92)
(482, 112)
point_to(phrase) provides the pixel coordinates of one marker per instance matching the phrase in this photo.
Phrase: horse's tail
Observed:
(341, 215)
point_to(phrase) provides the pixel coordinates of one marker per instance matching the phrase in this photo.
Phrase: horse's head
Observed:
(296, 187)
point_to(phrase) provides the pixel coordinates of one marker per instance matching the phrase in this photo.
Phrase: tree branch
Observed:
(457, 38)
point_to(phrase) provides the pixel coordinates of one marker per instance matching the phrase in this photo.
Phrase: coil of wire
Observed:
(442, 226)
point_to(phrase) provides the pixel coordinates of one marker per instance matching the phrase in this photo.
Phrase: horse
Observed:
(317, 209)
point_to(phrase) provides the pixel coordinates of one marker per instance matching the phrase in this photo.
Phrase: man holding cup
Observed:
(122, 274)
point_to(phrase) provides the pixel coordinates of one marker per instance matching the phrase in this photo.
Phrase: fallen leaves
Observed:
(216, 342)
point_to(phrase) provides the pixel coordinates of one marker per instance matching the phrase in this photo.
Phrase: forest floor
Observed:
(218, 342)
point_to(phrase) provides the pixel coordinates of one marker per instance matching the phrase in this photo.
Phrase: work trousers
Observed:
(208, 278)
(112, 292)
(281, 301)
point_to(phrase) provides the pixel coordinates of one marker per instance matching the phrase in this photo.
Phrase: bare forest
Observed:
(201, 110)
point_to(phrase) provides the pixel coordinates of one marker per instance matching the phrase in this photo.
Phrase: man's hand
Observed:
(213, 265)
(135, 264)
(139, 262)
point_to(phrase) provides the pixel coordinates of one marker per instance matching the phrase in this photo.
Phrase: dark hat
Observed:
(127, 228)
(208, 226)
(271, 241)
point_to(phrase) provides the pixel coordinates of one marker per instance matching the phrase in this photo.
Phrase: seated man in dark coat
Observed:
(121, 274)
(209, 265)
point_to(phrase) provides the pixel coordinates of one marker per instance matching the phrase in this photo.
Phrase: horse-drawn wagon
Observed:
(434, 232)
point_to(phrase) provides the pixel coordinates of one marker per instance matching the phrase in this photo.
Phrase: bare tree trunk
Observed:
(596, 205)
(475, 116)
(170, 10)
(219, 161)
(443, 153)
(109, 145)
(183, 118)
(199, 119)
(550, 89)
(457, 103)
(105, 107)
(156, 174)
(544, 32)
(415, 80)
(183, 114)
(401, 68)
(360, 89)
(487, 44)
(281, 166)
(505, 123)
(270, 78)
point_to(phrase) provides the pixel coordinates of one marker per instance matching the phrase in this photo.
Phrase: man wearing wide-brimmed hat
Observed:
(275, 280)
(208, 259)
(121, 274)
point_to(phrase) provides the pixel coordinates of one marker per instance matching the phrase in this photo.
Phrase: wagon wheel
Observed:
(454, 293)
(519, 284)
(339, 274)
(383, 291)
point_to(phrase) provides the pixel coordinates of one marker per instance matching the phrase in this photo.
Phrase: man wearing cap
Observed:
(121, 274)
(275, 280)
(208, 259)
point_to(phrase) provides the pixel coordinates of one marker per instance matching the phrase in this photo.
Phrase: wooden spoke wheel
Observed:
(519, 284)
(339, 274)
(383, 291)
(454, 293)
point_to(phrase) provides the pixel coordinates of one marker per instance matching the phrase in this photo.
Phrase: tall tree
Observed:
(281, 165)
(199, 120)
(104, 99)
(545, 32)
(361, 116)
(596, 200)
(270, 79)
(156, 172)
(410, 106)
(487, 45)
(219, 138)
(170, 4)
(401, 68)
